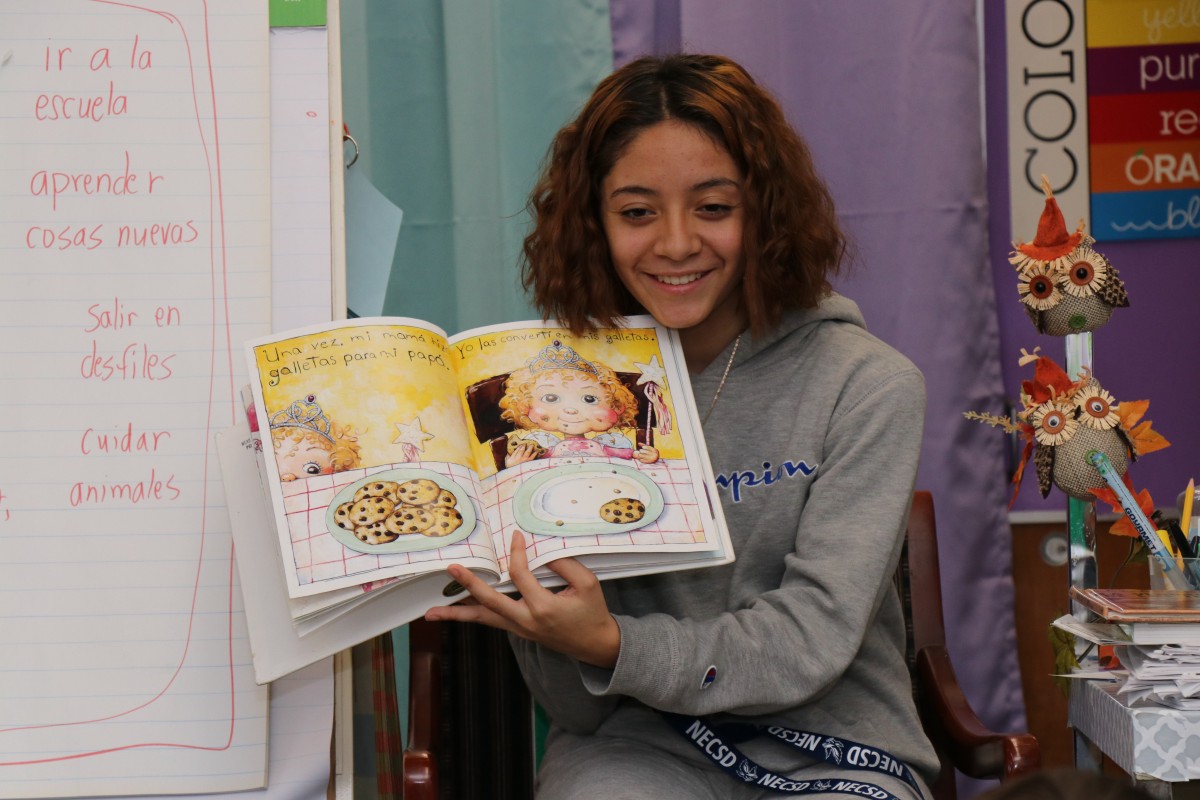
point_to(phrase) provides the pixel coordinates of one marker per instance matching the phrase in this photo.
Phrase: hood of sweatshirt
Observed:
(834, 308)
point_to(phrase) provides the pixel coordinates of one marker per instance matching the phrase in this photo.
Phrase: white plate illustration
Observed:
(406, 542)
(566, 500)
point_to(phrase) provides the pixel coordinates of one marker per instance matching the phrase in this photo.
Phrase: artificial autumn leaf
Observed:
(1130, 411)
(1145, 440)
(1020, 471)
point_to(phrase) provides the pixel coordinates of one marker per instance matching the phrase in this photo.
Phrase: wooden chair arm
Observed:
(975, 750)
(424, 694)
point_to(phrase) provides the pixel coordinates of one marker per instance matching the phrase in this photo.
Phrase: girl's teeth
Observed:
(679, 280)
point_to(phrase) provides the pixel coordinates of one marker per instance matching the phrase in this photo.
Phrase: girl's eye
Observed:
(715, 209)
(312, 468)
(591, 399)
(549, 398)
(636, 213)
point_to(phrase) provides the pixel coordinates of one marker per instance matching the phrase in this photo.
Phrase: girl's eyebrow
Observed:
(711, 183)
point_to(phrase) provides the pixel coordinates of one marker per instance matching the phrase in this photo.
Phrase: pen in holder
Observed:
(1145, 528)
(1188, 504)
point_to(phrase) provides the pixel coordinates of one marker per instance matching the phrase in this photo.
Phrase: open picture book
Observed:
(380, 450)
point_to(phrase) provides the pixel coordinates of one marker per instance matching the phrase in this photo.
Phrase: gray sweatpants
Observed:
(586, 767)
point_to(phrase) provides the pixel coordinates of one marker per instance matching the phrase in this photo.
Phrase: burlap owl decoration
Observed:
(1062, 420)
(1065, 285)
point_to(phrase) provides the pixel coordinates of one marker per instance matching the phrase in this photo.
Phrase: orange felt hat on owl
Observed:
(1052, 240)
(1049, 380)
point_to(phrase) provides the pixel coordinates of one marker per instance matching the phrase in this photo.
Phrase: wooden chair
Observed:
(962, 741)
(964, 744)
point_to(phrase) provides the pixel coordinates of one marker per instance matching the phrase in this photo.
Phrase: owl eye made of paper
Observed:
(1085, 274)
(1097, 408)
(1053, 423)
(1039, 291)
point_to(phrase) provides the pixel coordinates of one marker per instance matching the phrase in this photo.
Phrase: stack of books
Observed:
(1156, 634)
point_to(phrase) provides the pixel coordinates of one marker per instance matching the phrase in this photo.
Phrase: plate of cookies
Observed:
(586, 499)
(401, 511)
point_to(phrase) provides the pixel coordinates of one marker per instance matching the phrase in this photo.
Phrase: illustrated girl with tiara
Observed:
(559, 397)
(307, 443)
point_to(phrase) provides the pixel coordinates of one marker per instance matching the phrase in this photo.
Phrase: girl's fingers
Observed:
(518, 568)
(575, 574)
(471, 613)
(484, 594)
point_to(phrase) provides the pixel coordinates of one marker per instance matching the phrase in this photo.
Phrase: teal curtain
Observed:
(453, 104)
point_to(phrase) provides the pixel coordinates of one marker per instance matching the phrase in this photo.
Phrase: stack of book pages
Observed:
(1156, 634)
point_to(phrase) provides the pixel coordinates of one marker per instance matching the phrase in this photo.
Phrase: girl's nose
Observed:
(677, 240)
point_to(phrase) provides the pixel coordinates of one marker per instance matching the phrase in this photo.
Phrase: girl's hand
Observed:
(520, 454)
(574, 621)
(646, 454)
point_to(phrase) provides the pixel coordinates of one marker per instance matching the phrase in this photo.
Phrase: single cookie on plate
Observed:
(341, 515)
(445, 521)
(370, 509)
(410, 519)
(375, 533)
(418, 491)
(445, 499)
(623, 509)
(378, 489)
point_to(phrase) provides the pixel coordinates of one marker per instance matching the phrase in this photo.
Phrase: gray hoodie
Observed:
(814, 441)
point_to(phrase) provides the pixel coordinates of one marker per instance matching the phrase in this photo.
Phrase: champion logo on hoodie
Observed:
(738, 479)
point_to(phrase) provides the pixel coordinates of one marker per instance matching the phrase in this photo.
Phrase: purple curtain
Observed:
(888, 97)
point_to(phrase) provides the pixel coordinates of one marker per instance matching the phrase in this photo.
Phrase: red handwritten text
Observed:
(94, 108)
(123, 441)
(153, 488)
(46, 183)
(136, 362)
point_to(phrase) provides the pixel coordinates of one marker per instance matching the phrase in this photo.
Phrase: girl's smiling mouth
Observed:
(679, 280)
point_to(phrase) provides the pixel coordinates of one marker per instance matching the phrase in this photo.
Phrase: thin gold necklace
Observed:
(724, 375)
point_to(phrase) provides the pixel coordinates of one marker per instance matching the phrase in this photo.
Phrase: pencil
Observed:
(1185, 519)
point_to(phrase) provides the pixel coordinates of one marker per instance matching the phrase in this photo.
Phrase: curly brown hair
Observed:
(792, 243)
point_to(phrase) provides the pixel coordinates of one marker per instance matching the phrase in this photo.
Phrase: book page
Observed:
(134, 219)
(369, 467)
(588, 444)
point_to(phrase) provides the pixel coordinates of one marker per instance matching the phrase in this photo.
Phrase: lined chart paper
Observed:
(134, 227)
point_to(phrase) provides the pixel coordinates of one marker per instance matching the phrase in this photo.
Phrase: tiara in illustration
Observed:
(304, 414)
(560, 356)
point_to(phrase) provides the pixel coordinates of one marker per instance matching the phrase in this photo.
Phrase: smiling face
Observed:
(672, 213)
(571, 402)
